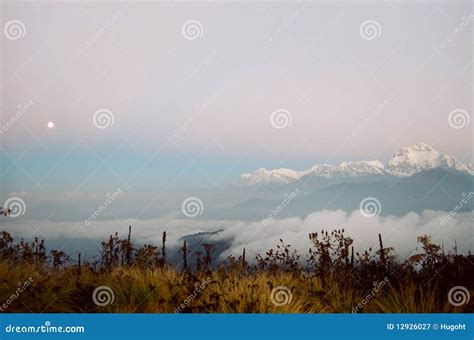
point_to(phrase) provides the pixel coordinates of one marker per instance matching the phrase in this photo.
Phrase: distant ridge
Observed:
(405, 162)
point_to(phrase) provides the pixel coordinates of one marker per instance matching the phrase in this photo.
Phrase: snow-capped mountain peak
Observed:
(405, 162)
(284, 176)
(375, 167)
(265, 176)
(412, 159)
(347, 169)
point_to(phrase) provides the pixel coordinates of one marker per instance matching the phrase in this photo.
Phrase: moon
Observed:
(50, 125)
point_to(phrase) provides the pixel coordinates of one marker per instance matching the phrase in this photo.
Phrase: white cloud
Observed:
(398, 232)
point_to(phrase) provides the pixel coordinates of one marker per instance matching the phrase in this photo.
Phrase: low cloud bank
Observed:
(398, 232)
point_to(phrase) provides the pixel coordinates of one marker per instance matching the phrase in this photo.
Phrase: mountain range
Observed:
(405, 162)
(415, 179)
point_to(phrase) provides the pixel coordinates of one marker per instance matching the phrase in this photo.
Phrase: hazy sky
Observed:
(358, 80)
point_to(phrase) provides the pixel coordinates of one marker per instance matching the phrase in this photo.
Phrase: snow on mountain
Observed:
(347, 169)
(361, 167)
(263, 176)
(410, 160)
(406, 162)
(285, 176)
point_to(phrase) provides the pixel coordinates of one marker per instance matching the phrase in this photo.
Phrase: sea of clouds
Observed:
(398, 232)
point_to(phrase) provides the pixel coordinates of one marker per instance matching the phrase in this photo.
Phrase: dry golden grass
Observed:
(330, 279)
(162, 290)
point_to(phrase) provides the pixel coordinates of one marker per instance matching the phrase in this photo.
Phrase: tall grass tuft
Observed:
(329, 278)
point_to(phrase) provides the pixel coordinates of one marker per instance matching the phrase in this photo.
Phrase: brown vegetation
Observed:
(329, 278)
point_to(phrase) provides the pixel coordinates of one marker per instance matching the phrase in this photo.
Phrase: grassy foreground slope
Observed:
(329, 278)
